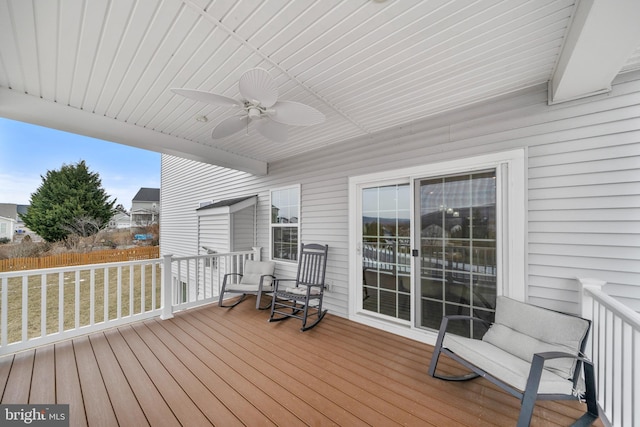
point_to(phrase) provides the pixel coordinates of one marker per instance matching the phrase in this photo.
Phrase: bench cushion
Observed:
(504, 366)
(523, 330)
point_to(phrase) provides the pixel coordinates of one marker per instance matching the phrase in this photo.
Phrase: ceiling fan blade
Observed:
(208, 97)
(258, 85)
(229, 126)
(274, 131)
(296, 114)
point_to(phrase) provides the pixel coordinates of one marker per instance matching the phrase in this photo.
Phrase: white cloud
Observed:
(17, 189)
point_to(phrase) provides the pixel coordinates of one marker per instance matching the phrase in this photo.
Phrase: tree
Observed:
(67, 198)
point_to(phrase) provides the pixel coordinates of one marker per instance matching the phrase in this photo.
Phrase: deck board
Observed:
(117, 386)
(44, 373)
(19, 382)
(228, 367)
(97, 405)
(68, 383)
(147, 395)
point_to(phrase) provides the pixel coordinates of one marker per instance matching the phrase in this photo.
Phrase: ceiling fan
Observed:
(259, 104)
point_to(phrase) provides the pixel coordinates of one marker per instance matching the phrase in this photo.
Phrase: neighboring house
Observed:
(145, 207)
(19, 230)
(7, 228)
(120, 220)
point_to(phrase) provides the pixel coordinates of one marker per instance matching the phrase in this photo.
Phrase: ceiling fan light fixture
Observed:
(254, 113)
(259, 103)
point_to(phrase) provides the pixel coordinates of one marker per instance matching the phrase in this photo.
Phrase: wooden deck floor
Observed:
(214, 366)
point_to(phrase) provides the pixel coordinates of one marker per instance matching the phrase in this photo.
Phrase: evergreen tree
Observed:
(69, 201)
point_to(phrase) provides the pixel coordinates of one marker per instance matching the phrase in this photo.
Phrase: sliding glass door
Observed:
(450, 265)
(457, 225)
(386, 252)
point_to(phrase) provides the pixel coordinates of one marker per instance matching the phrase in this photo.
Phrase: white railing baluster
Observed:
(105, 298)
(131, 291)
(92, 297)
(77, 299)
(153, 287)
(43, 304)
(61, 301)
(25, 307)
(119, 293)
(5, 311)
(143, 285)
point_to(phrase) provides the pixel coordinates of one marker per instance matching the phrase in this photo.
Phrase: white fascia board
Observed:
(602, 35)
(34, 110)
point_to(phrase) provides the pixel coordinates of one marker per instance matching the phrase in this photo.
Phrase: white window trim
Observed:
(297, 187)
(512, 267)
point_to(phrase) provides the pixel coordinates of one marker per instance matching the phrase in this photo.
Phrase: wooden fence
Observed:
(64, 260)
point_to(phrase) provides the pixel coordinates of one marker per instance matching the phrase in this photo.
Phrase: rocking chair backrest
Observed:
(312, 264)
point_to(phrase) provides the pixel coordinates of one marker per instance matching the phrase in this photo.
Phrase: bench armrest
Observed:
(548, 355)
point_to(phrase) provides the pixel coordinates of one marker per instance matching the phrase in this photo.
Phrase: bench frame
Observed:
(529, 396)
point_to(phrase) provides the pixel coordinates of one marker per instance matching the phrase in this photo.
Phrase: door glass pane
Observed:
(386, 251)
(458, 270)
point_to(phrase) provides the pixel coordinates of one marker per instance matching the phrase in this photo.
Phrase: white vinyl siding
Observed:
(583, 197)
(243, 225)
(214, 233)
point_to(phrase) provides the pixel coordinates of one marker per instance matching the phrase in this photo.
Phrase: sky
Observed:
(27, 152)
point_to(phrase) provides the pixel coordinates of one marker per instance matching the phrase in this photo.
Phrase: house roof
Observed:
(371, 67)
(228, 205)
(147, 195)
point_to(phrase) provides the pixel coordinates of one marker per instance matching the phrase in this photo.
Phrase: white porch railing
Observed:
(43, 306)
(615, 351)
(196, 280)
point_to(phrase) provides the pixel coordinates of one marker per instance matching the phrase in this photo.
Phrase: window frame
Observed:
(295, 225)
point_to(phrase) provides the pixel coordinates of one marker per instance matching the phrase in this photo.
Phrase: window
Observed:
(285, 213)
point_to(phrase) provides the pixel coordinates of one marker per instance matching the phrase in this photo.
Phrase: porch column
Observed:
(257, 253)
(166, 288)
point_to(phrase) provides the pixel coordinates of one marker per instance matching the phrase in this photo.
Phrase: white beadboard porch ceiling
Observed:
(367, 65)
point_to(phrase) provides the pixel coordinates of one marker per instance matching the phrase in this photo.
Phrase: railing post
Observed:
(166, 288)
(586, 299)
(257, 251)
(586, 308)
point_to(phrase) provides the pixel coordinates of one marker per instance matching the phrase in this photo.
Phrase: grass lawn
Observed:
(130, 302)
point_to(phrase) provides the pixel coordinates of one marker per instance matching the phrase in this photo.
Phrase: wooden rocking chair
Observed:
(303, 300)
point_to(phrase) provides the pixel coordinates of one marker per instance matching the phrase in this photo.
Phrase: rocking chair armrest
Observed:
(230, 274)
(276, 282)
(312, 285)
